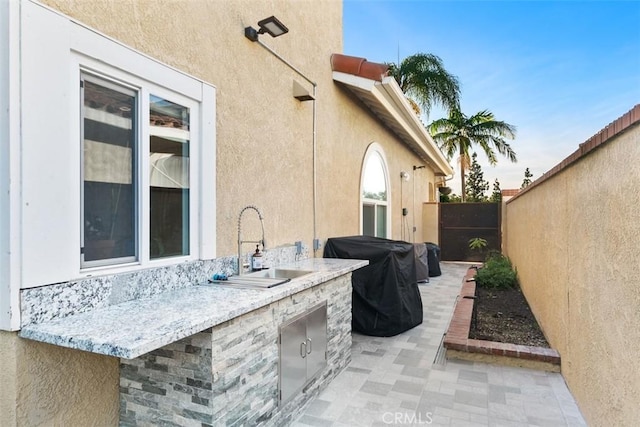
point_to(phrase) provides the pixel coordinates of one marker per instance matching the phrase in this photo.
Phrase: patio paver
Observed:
(394, 380)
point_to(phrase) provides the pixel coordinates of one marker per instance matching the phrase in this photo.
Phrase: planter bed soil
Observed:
(503, 315)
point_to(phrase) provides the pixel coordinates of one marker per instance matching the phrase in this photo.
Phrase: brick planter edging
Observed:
(457, 341)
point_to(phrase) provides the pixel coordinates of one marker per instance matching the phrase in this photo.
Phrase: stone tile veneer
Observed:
(60, 300)
(228, 375)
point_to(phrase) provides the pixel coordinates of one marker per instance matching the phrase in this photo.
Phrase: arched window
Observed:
(374, 193)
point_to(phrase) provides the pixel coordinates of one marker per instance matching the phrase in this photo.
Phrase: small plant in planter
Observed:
(477, 243)
(497, 273)
(478, 246)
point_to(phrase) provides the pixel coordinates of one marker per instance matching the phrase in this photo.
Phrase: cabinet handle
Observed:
(309, 347)
(303, 349)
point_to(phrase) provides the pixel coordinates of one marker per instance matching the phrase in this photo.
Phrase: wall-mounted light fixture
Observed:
(270, 25)
(300, 93)
(405, 176)
(275, 28)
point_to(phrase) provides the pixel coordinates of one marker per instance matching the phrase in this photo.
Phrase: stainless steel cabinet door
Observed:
(316, 340)
(293, 363)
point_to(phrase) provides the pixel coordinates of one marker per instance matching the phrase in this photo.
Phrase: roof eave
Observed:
(385, 99)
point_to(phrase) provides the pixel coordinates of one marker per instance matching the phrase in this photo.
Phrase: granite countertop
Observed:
(133, 328)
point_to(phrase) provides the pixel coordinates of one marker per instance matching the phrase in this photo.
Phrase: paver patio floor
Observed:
(394, 380)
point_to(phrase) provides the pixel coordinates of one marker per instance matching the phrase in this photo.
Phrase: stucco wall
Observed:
(574, 241)
(341, 154)
(264, 135)
(264, 158)
(44, 385)
(8, 377)
(430, 217)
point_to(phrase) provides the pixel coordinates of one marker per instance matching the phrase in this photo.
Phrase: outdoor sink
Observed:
(264, 279)
(279, 273)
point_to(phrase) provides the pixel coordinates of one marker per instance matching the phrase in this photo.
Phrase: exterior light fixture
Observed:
(270, 25)
(300, 93)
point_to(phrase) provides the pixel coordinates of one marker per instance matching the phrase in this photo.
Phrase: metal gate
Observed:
(461, 222)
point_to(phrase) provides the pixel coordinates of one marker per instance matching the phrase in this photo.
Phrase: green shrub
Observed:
(497, 272)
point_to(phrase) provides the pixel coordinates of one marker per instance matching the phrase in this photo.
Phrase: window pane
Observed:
(374, 183)
(381, 221)
(109, 150)
(368, 220)
(169, 178)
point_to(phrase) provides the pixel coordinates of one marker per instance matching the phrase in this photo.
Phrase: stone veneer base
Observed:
(228, 374)
(458, 345)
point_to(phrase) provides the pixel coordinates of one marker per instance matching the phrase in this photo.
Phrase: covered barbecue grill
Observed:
(386, 299)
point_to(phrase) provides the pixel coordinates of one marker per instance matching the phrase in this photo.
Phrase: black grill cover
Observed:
(386, 300)
(433, 257)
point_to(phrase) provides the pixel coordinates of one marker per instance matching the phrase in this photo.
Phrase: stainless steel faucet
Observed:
(240, 241)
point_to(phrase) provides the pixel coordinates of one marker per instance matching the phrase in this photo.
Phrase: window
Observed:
(117, 210)
(375, 194)
(110, 147)
(113, 146)
(169, 178)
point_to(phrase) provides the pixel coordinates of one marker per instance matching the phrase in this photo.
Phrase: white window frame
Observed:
(144, 90)
(54, 50)
(376, 149)
(121, 87)
(10, 167)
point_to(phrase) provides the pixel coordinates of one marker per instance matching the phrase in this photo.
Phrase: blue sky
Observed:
(558, 70)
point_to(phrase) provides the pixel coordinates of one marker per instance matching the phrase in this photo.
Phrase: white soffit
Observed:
(388, 103)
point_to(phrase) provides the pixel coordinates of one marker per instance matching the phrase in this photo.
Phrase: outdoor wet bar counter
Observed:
(211, 354)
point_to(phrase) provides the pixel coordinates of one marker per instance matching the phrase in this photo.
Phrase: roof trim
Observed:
(510, 192)
(389, 104)
(622, 124)
(358, 67)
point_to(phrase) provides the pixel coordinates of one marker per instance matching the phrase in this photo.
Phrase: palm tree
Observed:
(424, 80)
(458, 133)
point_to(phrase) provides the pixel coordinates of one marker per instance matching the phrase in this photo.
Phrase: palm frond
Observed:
(457, 134)
(496, 128)
(423, 77)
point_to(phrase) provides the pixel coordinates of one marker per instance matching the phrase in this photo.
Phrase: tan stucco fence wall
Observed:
(573, 238)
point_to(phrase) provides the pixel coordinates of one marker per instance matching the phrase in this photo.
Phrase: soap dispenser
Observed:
(256, 259)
